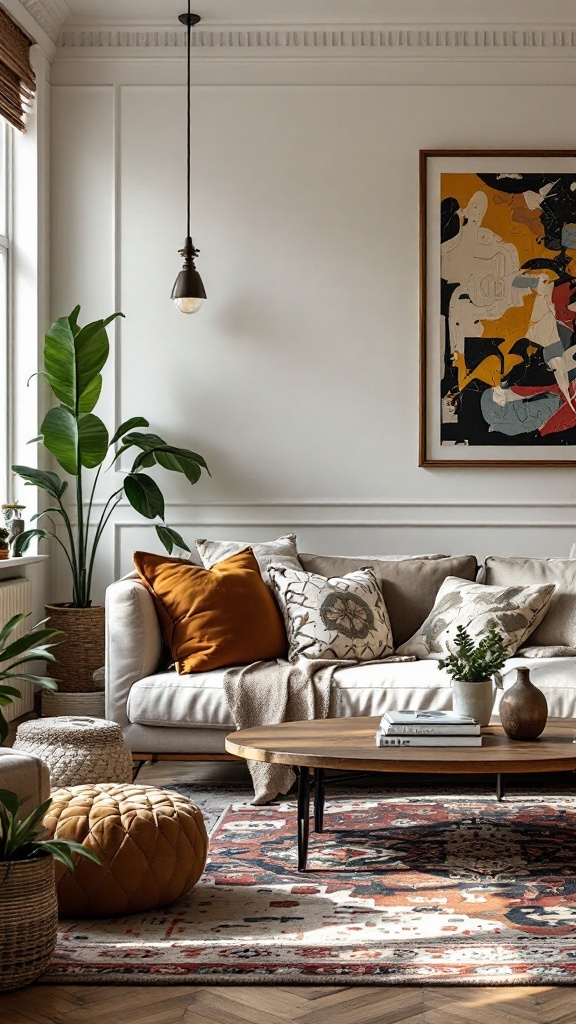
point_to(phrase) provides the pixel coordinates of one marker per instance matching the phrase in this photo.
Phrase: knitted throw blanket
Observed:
(269, 692)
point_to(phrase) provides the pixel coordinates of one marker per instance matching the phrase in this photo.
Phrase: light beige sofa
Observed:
(164, 714)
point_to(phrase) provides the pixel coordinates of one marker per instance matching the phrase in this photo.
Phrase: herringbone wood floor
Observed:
(257, 1004)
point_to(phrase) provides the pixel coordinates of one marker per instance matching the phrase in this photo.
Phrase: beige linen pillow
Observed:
(558, 628)
(283, 550)
(343, 618)
(409, 587)
(514, 611)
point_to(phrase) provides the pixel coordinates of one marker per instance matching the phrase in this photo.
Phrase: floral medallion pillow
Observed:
(339, 619)
(514, 611)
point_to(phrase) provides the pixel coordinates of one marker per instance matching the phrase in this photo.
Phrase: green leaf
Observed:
(10, 801)
(11, 626)
(30, 643)
(58, 850)
(46, 481)
(23, 540)
(91, 352)
(74, 357)
(9, 691)
(59, 359)
(135, 421)
(45, 512)
(43, 681)
(144, 495)
(171, 539)
(90, 396)
(93, 438)
(61, 437)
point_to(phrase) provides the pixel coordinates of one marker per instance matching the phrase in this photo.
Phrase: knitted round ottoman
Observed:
(77, 749)
(152, 845)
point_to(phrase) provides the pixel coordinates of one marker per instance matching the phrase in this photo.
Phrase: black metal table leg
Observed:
(319, 800)
(500, 787)
(303, 816)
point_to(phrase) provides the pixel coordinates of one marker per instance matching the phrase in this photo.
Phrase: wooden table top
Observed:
(350, 744)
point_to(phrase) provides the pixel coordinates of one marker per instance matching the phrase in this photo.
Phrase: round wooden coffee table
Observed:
(349, 745)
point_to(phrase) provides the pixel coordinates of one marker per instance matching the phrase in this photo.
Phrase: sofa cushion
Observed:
(513, 611)
(341, 618)
(215, 617)
(282, 550)
(558, 628)
(198, 702)
(409, 586)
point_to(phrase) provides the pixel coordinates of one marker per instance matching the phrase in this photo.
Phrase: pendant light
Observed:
(188, 292)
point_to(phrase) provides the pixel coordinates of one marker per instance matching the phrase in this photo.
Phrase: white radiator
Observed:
(16, 597)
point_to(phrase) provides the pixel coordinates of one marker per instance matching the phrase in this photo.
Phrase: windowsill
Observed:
(12, 563)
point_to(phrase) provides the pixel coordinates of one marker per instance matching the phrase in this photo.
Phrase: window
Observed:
(5, 226)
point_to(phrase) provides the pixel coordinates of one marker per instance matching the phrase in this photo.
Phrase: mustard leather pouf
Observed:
(152, 844)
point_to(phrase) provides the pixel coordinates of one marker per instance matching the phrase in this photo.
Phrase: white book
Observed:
(467, 729)
(383, 740)
(425, 718)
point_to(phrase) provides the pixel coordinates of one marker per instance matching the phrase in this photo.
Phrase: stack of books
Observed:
(427, 729)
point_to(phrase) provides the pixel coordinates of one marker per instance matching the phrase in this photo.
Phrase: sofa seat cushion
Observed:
(198, 701)
(193, 701)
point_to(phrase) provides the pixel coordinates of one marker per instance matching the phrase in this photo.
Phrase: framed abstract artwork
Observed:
(498, 308)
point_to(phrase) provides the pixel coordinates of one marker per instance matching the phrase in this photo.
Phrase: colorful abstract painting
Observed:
(504, 269)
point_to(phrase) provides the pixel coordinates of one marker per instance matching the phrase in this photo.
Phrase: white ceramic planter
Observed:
(473, 699)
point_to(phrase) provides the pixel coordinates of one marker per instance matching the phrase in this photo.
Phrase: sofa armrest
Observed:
(133, 643)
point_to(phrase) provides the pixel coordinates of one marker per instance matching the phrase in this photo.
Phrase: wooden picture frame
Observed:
(497, 308)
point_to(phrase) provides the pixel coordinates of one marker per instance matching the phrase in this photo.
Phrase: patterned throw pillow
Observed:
(283, 550)
(515, 611)
(342, 618)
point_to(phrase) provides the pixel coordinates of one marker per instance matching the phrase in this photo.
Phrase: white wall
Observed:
(299, 379)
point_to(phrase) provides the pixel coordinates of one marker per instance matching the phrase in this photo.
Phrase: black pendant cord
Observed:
(188, 128)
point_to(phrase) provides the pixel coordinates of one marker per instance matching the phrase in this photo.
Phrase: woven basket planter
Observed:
(82, 652)
(91, 704)
(28, 920)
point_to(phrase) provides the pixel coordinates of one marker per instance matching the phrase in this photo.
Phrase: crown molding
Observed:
(363, 41)
(50, 15)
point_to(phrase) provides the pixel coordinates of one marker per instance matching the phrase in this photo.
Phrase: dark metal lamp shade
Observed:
(188, 292)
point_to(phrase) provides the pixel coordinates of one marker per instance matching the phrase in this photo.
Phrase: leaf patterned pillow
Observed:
(514, 611)
(339, 619)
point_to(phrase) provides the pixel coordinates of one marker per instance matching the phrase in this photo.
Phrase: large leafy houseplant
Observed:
(74, 357)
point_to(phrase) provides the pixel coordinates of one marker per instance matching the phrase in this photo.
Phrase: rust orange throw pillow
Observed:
(214, 617)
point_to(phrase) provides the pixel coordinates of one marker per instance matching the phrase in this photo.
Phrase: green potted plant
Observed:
(472, 667)
(4, 539)
(14, 660)
(80, 443)
(28, 902)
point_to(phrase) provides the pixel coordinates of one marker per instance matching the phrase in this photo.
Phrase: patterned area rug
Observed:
(461, 891)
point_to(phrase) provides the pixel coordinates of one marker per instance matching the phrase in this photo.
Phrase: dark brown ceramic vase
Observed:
(523, 709)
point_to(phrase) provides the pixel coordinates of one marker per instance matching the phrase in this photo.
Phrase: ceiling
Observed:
(321, 12)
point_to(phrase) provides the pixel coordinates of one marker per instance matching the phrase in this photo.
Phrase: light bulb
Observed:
(189, 305)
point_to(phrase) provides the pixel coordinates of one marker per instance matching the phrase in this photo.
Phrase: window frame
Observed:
(6, 306)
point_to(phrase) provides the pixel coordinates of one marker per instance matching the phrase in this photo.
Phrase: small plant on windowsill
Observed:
(472, 667)
(4, 535)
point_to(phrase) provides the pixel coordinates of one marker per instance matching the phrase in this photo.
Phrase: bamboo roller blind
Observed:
(17, 80)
